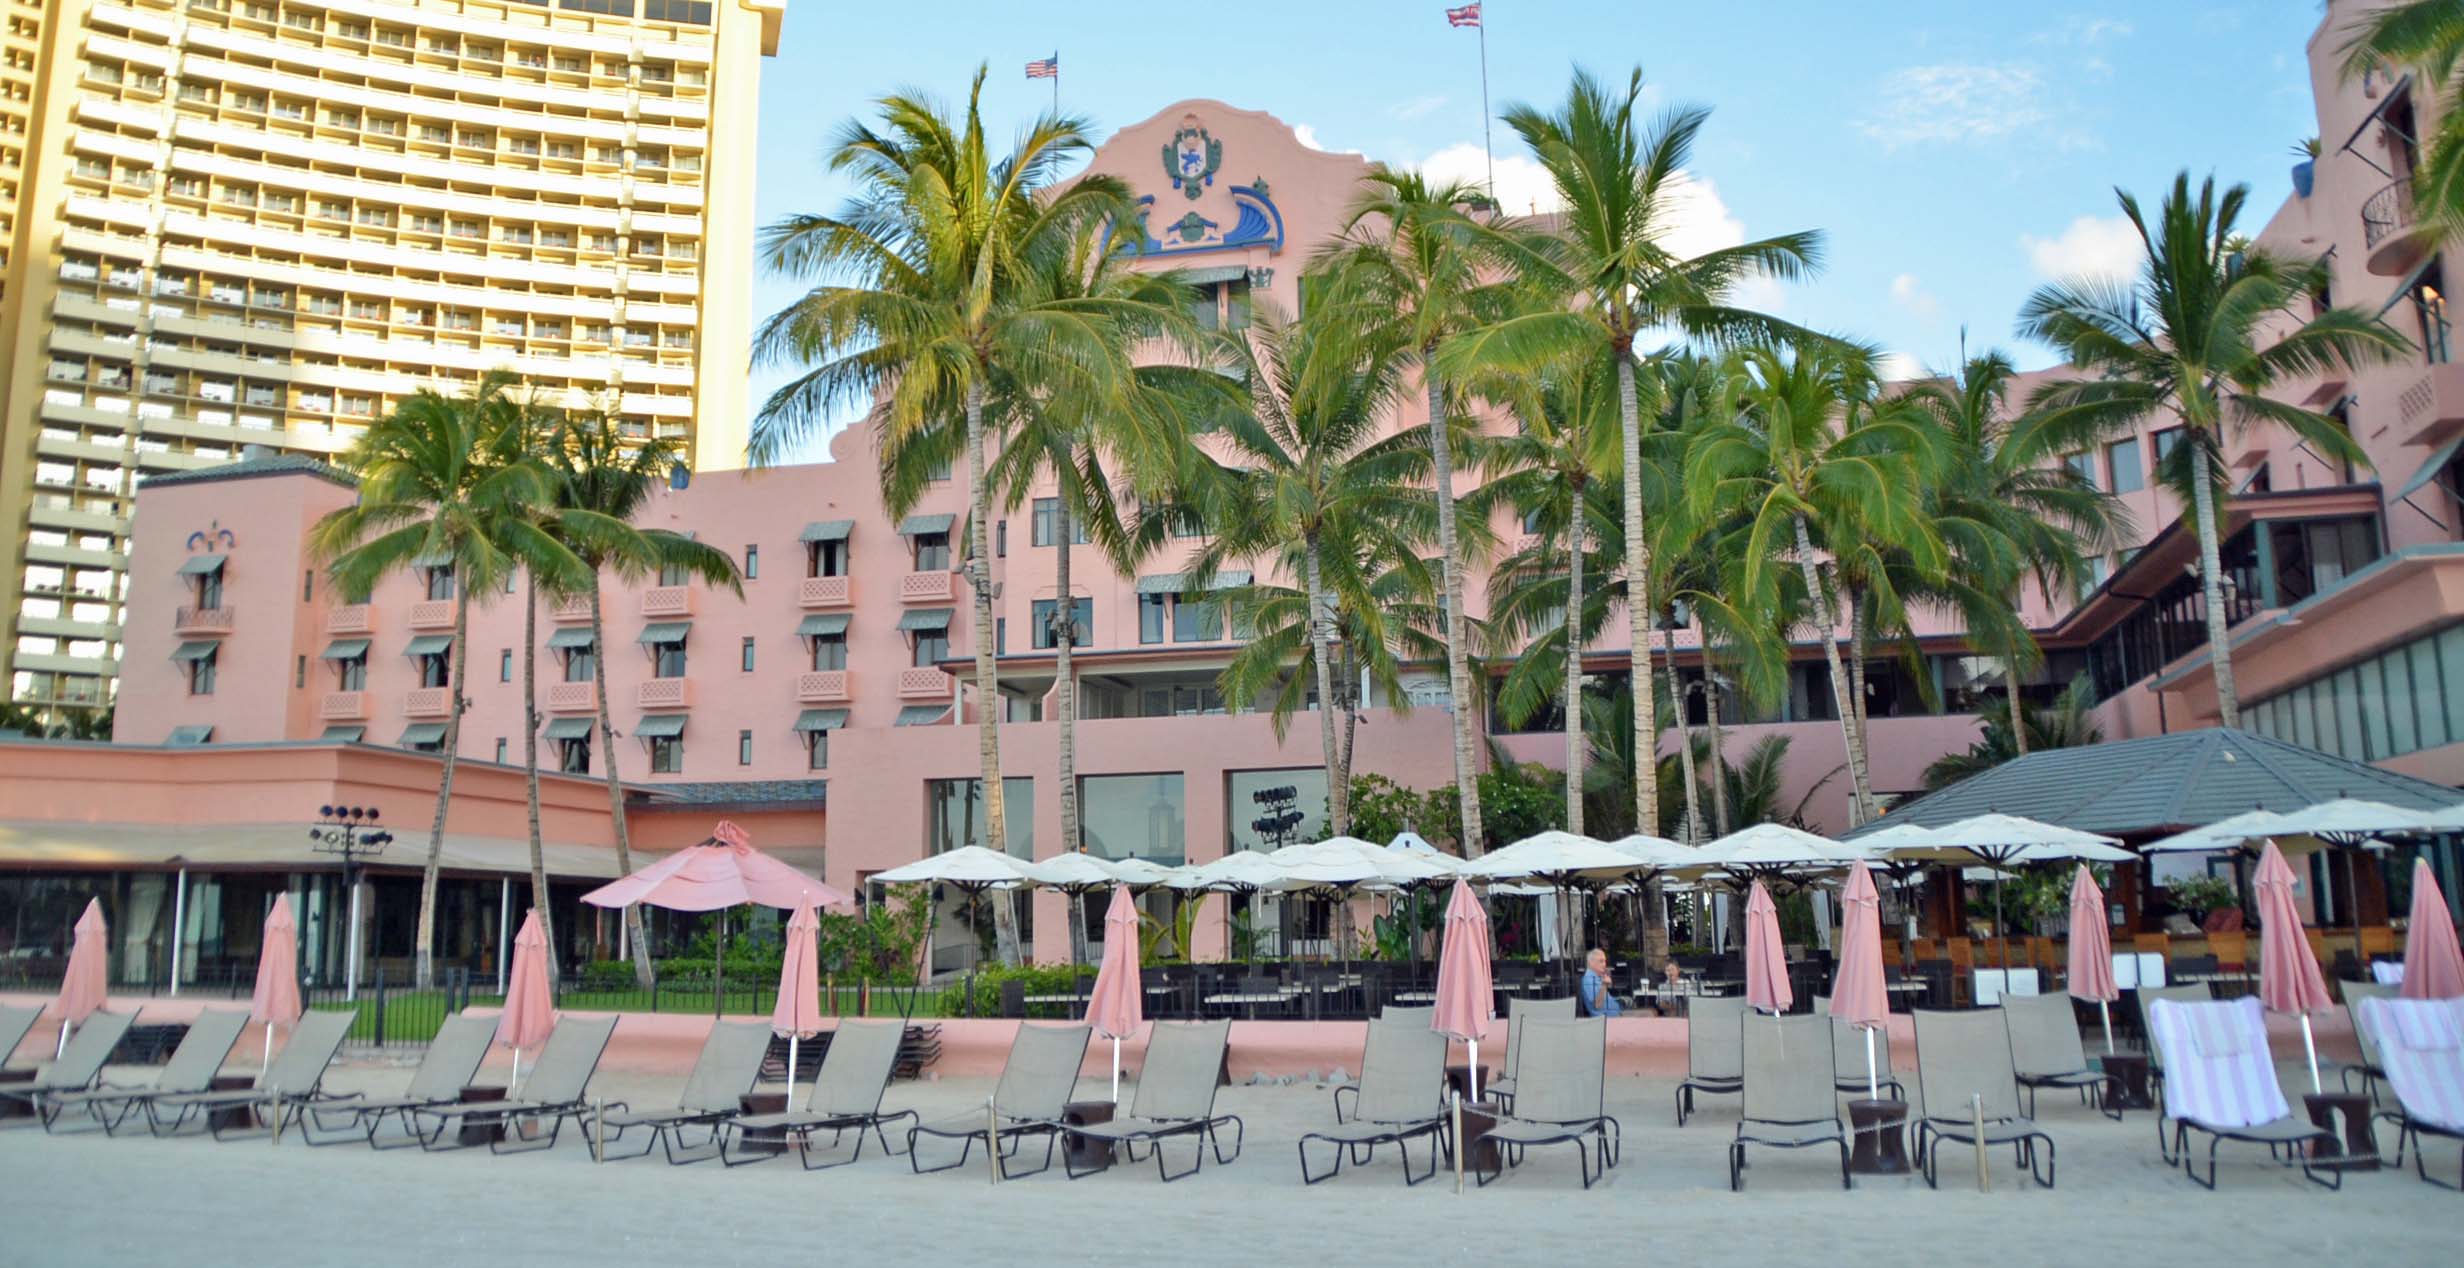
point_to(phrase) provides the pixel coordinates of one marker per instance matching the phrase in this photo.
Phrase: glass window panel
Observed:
(2305, 729)
(2346, 688)
(2429, 694)
(955, 815)
(1135, 816)
(2373, 697)
(1248, 821)
(2451, 671)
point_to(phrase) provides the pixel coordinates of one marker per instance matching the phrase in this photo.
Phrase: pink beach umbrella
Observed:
(1766, 960)
(276, 1002)
(2289, 977)
(725, 871)
(1118, 1007)
(530, 1002)
(1859, 995)
(799, 1008)
(88, 980)
(2091, 950)
(1466, 998)
(2433, 967)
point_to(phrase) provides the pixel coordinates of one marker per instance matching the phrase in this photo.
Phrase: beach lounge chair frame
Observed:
(1848, 1058)
(847, 1090)
(566, 1063)
(2191, 993)
(201, 1052)
(2370, 1069)
(1036, 1083)
(1519, 1010)
(729, 1063)
(450, 1063)
(1964, 1053)
(1714, 1063)
(294, 1080)
(2416, 1076)
(1398, 1098)
(80, 1064)
(2046, 1050)
(1175, 1097)
(1791, 1101)
(1566, 1102)
(2193, 1103)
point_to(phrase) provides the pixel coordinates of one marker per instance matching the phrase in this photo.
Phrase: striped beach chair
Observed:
(2421, 1049)
(2220, 1081)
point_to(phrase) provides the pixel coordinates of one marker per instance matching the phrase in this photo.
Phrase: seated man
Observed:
(1593, 996)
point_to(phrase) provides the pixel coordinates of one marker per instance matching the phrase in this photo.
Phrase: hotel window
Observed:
(1135, 816)
(440, 582)
(955, 816)
(2085, 465)
(2429, 300)
(581, 662)
(667, 755)
(1046, 615)
(817, 750)
(2342, 415)
(932, 551)
(1196, 622)
(1048, 524)
(436, 667)
(504, 665)
(573, 756)
(748, 655)
(744, 748)
(931, 647)
(2122, 457)
(500, 750)
(830, 651)
(201, 672)
(2163, 441)
(1154, 611)
(351, 672)
(752, 563)
(826, 558)
(667, 656)
(299, 670)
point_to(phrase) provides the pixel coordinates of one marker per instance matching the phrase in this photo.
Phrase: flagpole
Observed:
(1056, 81)
(1485, 151)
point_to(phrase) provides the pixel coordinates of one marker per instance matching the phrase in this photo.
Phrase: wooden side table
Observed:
(16, 1109)
(2360, 1148)
(765, 1141)
(1880, 1138)
(1479, 1152)
(1085, 1153)
(482, 1133)
(237, 1117)
(2126, 1081)
(1459, 1081)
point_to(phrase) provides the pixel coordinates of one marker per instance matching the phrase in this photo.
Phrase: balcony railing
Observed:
(573, 697)
(343, 706)
(667, 601)
(824, 686)
(2386, 223)
(432, 614)
(923, 684)
(575, 609)
(350, 618)
(826, 592)
(207, 621)
(427, 702)
(928, 587)
(664, 693)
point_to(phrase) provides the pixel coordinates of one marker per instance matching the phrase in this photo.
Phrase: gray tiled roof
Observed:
(741, 792)
(2165, 783)
(262, 464)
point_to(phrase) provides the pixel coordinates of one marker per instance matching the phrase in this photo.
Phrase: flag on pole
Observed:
(1050, 67)
(1468, 15)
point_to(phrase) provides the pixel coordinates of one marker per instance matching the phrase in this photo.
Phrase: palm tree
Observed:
(2069, 722)
(443, 482)
(1620, 184)
(919, 292)
(2429, 35)
(2184, 338)
(555, 564)
(601, 481)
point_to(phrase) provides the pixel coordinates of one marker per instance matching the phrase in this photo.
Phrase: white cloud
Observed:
(1957, 102)
(1899, 367)
(1307, 135)
(1417, 107)
(1523, 186)
(2079, 29)
(1910, 293)
(2091, 246)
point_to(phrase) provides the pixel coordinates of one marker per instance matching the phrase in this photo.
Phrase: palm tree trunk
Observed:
(457, 664)
(987, 679)
(1828, 619)
(2019, 717)
(530, 761)
(1719, 748)
(643, 975)
(1065, 706)
(2211, 586)
(1576, 738)
(1321, 656)
(1860, 618)
(1638, 611)
(1450, 577)
(1685, 741)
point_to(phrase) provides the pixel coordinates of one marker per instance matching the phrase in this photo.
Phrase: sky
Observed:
(1954, 155)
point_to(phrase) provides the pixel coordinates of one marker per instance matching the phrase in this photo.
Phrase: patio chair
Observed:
(2193, 993)
(550, 1094)
(79, 1064)
(846, 1096)
(2371, 1070)
(1176, 1097)
(2221, 1081)
(1402, 1074)
(1518, 1011)
(2046, 1050)
(2421, 1045)
(1790, 1102)
(450, 1063)
(1714, 1061)
(15, 1024)
(1848, 1057)
(1036, 1083)
(293, 1080)
(1421, 1015)
(1963, 1064)
(729, 1063)
(1565, 1102)
(192, 1068)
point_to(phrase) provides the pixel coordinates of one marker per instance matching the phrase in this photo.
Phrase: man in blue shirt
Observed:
(1594, 993)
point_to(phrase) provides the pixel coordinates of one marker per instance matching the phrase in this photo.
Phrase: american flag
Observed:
(1468, 15)
(1050, 67)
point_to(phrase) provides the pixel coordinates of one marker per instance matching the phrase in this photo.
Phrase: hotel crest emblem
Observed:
(1193, 158)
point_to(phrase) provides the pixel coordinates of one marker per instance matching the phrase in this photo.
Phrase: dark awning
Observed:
(570, 640)
(428, 645)
(198, 649)
(345, 649)
(190, 735)
(922, 714)
(351, 733)
(666, 631)
(915, 525)
(424, 733)
(433, 559)
(659, 726)
(828, 530)
(2430, 469)
(924, 620)
(1216, 273)
(1175, 582)
(822, 625)
(567, 729)
(821, 719)
(201, 565)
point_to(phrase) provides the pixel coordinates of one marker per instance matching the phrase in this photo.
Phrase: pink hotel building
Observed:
(828, 707)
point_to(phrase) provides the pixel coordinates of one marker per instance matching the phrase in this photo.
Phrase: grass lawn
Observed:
(413, 1017)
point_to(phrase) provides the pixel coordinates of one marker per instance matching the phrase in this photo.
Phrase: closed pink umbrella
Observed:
(1118, 1007)
(2091, 950)
(88, 980)
(276, 1002)
(1859, 996)
(2289, 977)
(1766, 960)
(1466, 997)
(2433, 967)
(799, 1008)
(530, 1001)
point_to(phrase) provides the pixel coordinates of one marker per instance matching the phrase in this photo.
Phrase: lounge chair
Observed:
(15, 1024)
(1964, 1055)
(1790, 1098)
(1402, 1078)
(730, 1062)
(2370, 1069)
(2221, 1081)
(1848, 1057)
(846, 1096)
(1566, 1100)
(292, 1080)
(551, 1094)
(192, 1068)
(2046, 1050)
(448, 1066)
(1714, 1062)
(1175, 1097)
(2194, 993)
(2421, 1047)
(1035, 1087)
(79, 1065)
(1518, 1011)
(1421, 1015)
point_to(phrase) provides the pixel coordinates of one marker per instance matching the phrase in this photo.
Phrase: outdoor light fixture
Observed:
(352, 832)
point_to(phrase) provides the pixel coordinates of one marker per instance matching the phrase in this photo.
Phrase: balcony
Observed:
(2431, 411)
(664, 693)
(667, 602)
(826, 592)
(826, 686)
(573, 697)
(194, 621)
(928, 587)
(2386, 229)
(571, 611)
(350, 619)
(923, 684)
(432, 614)
(343, 706)
(427, 702)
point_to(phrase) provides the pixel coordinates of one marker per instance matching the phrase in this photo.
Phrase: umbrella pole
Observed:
(2352, 904)
(268, 1063)
(2104, 1009)
(1455, 1101)
(61, 1046)
(718, 964)
(1116, 1071)
(791, 1071)
(1873, 1080)
(1474, 1046)
(517, 1072)
(2310, 1049)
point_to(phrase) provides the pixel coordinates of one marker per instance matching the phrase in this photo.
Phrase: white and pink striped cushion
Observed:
(2421, 1046)
(2217, 1068)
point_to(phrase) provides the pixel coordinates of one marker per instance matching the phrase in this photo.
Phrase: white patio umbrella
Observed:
(1882, 841)
(970, 869)
(1240, 874)
(2347, 825)
(1142, 873)
(1562, 860)
(2004, 842)
(1076, 875)
(1410, 842)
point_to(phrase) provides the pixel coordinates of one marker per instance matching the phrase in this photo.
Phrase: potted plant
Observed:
(2305, 172)
(2199, 895)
